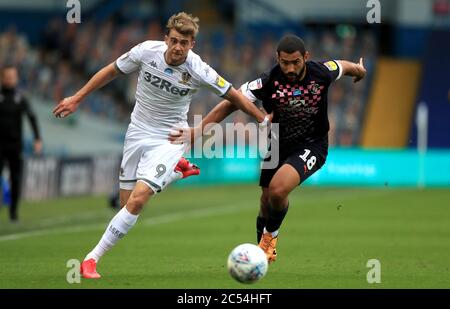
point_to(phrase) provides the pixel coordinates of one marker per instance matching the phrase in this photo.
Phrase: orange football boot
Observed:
(269, 244)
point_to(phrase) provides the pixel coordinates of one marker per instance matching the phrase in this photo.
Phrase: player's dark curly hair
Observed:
(290, 44)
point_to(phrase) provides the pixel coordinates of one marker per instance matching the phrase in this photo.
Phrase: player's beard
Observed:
(293, 76)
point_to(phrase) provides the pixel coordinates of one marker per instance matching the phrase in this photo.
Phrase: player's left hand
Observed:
(361, 71)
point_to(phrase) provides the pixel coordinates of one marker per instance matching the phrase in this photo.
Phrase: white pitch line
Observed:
(167, 218)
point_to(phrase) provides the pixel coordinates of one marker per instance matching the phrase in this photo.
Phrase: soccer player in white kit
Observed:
(169, 74)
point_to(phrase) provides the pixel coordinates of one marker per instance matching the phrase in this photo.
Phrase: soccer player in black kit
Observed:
(295, 91)
(13, 105)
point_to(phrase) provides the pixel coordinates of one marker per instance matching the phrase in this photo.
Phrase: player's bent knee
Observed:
(277, 196)
(135, 204)
(137, 201)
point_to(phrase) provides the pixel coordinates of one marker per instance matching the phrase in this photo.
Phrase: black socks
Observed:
(275, 219)
(260, 224)
(272, 223)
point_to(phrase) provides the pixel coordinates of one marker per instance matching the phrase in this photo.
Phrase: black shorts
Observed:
(306, 159)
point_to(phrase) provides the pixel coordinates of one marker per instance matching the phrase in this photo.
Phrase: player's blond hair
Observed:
(184, 23)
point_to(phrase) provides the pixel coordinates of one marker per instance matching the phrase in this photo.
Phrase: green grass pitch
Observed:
(185, 234)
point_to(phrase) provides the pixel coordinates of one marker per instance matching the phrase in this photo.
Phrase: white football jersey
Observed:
(164, 92)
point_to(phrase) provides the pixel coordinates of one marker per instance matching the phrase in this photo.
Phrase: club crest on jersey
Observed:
(185, 77)
(168, 71)
(297, 92)
(315, 88)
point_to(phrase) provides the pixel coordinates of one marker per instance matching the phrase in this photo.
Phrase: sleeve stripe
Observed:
(225, 93)
(151, 184)
(117, 68)
(340, 70)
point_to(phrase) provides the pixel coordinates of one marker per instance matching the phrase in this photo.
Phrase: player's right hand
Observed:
(184, 135)
(66, 107)
(361, 71)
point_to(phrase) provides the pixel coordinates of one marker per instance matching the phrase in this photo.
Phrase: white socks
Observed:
(119, 226)
(274, 233)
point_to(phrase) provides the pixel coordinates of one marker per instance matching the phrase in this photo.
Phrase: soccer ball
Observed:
(247, 263)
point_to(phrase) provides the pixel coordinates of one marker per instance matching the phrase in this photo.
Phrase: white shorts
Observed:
(148, 157)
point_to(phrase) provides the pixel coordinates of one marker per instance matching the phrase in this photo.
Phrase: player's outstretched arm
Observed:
(69, 105)
(356, 70)
(234, 100)
(216, 115)
(219, 112)
(244, 104)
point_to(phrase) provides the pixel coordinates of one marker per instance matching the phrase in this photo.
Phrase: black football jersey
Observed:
(300, 107)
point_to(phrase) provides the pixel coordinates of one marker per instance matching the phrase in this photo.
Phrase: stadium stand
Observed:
(390, 111)
(434, 89)
(69, 54)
